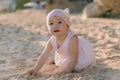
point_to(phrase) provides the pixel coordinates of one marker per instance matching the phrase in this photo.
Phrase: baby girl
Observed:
(72, 52)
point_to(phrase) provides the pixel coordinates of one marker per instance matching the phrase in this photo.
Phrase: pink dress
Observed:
(86, 57)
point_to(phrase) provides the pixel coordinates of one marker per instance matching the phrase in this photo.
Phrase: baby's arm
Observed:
(43, 57)
(72, 54)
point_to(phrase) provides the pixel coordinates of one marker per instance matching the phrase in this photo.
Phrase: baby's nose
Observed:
(56, 25)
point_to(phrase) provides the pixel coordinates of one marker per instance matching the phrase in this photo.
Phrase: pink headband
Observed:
(64, 14)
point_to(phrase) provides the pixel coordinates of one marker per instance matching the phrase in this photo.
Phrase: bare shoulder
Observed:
(74, 40)
(49, 42)
(73, 44)
(49, 45)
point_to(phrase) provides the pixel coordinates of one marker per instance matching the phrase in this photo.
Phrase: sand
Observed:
(23, 35)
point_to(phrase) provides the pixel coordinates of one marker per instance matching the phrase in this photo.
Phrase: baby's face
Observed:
(57, 26)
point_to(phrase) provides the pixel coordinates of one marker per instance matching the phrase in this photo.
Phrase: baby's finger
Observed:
(33, 74)
(36, 74)
(29, 73)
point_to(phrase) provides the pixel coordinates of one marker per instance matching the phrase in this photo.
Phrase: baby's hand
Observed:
(60, 70)
(62, 73)
(32, 72)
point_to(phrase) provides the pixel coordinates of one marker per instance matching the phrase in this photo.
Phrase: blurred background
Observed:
(89, 8)
(12, 5)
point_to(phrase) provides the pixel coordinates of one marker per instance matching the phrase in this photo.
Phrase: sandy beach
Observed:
(23, 35)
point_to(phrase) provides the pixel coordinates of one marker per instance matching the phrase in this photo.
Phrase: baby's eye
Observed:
(51, 23)
(59, 22)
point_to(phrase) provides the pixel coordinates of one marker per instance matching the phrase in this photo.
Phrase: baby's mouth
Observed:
(56, 31)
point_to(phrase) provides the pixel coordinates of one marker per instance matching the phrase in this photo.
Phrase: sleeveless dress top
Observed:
(86, 57)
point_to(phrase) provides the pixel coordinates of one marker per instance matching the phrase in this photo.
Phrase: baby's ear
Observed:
(67, 12)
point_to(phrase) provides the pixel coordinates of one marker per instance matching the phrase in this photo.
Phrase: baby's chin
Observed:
(57, 35)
